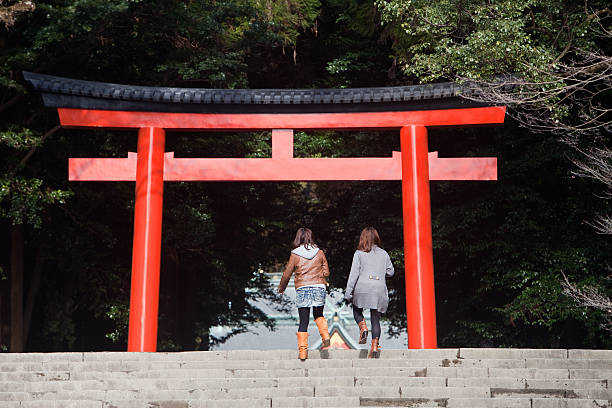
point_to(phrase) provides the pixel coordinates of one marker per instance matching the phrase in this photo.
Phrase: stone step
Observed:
(487, 403)
(568, 363)
(132, 365)
(280, 402)
(459, 378)
(446, 402)
(569, 403)
(195, 383)
(526, 403)
(502, 382)
(599, 394)
(266, 355)
(218, 393)
(403, 391)
(291, 382)
(445, 372)
(476, 353)
(341, 403)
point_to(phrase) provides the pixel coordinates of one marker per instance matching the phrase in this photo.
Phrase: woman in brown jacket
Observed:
(310, 267)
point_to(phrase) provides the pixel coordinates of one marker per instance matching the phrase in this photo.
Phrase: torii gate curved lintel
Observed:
(151, 166)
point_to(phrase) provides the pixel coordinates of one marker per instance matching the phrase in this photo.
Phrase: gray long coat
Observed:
(366, 285)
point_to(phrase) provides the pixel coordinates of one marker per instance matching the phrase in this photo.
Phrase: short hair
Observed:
(304, 236)
(369, 237)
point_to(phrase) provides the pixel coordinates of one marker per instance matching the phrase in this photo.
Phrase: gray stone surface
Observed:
(460, 378)
(569, 403)
(568, 363)
(590, 354)
(588, 373)
(488, 403)
(488, 353)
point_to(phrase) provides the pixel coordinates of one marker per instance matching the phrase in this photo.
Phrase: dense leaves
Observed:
(500, 248)
(549, 60)
(475, 39)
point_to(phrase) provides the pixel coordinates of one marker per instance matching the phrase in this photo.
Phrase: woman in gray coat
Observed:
(366, 286)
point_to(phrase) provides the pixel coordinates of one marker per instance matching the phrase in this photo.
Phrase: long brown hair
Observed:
(369, 237)
(304, 236)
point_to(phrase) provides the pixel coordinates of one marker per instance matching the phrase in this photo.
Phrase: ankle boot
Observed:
(302, 340)
(363, 332)
(374, 349)
(323, 331)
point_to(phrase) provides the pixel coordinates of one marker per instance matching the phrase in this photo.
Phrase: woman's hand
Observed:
(280, 292)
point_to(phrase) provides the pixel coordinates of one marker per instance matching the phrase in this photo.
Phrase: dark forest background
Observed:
(501, 248)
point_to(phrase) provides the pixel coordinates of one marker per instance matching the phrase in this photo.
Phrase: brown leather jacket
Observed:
(307, 271)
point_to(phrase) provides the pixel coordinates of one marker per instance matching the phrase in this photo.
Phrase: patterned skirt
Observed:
(308, 296)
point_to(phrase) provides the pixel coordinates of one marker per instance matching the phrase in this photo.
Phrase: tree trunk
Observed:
(17, 239)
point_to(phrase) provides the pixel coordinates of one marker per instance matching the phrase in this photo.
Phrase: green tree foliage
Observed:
(548, 61)
(287, 19)
(86, 243)
(361, 49)
(475, 39)
(500, 248)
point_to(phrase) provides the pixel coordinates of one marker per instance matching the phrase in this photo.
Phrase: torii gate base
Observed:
(414, 166)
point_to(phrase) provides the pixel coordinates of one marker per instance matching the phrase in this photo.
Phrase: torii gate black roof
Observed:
(59, 92)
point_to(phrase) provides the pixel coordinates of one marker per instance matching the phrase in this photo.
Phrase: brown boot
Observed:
(323, 331)
(363, 332)
(374, 349)
(302, 339)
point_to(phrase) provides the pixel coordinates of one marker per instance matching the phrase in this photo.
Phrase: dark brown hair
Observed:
(304, 236)
(369, 237)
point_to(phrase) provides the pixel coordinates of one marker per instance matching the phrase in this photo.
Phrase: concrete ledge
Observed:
(590, 374)
(568, 363)
(488, 403)
(315, 402)
(453, 355)
(569, 403)
(590, 354)
(496, 353)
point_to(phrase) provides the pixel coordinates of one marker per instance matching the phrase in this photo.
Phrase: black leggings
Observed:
(374, 317)
(317, 311)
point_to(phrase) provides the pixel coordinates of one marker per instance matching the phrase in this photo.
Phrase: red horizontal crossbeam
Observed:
(283, 169)
(255, 121)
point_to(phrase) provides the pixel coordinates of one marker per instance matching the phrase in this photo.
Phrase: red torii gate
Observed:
(151, 166)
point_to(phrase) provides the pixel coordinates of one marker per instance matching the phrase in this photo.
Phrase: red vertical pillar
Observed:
(420, 296)
(144, 297)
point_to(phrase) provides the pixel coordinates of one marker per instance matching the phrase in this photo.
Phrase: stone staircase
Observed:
(466, 378)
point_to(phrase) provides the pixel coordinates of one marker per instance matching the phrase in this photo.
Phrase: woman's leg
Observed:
(358, 314)
(304, 313)
(375, 348)
(302, 333)
(363, 327)
(317, 311)
(375, 318)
